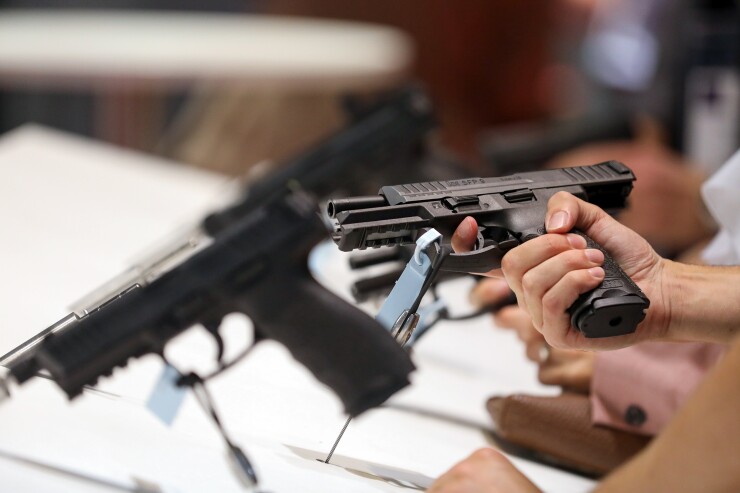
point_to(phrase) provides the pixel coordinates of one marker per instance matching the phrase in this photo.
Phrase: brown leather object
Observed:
(559, 428)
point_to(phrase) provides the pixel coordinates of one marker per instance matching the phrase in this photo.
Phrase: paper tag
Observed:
(722, 200)
(166, 397)
(409, 285)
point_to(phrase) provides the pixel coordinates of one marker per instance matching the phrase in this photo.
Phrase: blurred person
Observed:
(630, 250)
(570, 369)
(665, 208)
(636, 389)
(697, 450)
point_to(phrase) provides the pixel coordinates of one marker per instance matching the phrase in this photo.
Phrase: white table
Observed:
(169, 48)
(73, 214)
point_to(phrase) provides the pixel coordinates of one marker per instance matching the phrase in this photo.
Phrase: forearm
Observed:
(704, 302)
(698, 450)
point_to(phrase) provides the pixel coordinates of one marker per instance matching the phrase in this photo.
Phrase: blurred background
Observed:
(514, 84)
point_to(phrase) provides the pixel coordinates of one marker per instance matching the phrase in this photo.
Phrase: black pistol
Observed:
(509, 210)
(259, 242)
(256, 266)
(383, 138)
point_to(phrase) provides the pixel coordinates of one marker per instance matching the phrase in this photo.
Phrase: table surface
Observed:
(74, 214)
(157, 48)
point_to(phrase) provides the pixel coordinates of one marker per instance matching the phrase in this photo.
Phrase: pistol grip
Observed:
(615, 307)
(343, 347)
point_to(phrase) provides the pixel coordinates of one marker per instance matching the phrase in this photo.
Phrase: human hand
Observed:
(665, 206)
(484, 471)
(549, 272)
(570, 369)
(567, 368)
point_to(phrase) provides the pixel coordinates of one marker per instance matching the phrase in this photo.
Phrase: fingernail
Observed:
(594, 255)
(557, 220)
(469, 232)
(597, 272)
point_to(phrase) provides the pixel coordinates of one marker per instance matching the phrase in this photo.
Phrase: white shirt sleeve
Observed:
(721, 194)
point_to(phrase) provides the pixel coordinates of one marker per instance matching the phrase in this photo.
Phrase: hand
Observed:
(570, 369)
(485, 471)
(665, 206)
(567, 368)
(492, 291)
(548, 273)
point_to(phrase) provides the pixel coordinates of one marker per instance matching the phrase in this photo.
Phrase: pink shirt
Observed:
(639, 388)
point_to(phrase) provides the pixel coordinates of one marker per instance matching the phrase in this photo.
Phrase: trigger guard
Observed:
(480, 242)
(478, 261)
(486, 256)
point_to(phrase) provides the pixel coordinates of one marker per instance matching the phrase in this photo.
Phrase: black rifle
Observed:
(509, 210)
(257, 267)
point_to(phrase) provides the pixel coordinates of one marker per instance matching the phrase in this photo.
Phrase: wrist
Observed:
(702, 303)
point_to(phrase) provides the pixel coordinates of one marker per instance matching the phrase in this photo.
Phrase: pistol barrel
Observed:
(339, 205)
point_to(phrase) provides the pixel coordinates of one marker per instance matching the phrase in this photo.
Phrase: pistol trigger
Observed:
(212, 326)
(480, 242)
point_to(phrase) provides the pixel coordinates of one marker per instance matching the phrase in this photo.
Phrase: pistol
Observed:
(509, 210)
(251, 257)
(258, 266)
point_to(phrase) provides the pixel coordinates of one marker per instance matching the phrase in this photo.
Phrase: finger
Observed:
(565, 212)
(513, 317)
(535, 349)
(485, 470)
(550, 374)
(464, 471)
(538, 280)
(528, 334)
(574, 372)
(519, 260)
(489, 292)
(566, 356)
(464, 237)
(556, 325)
(627, 248)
